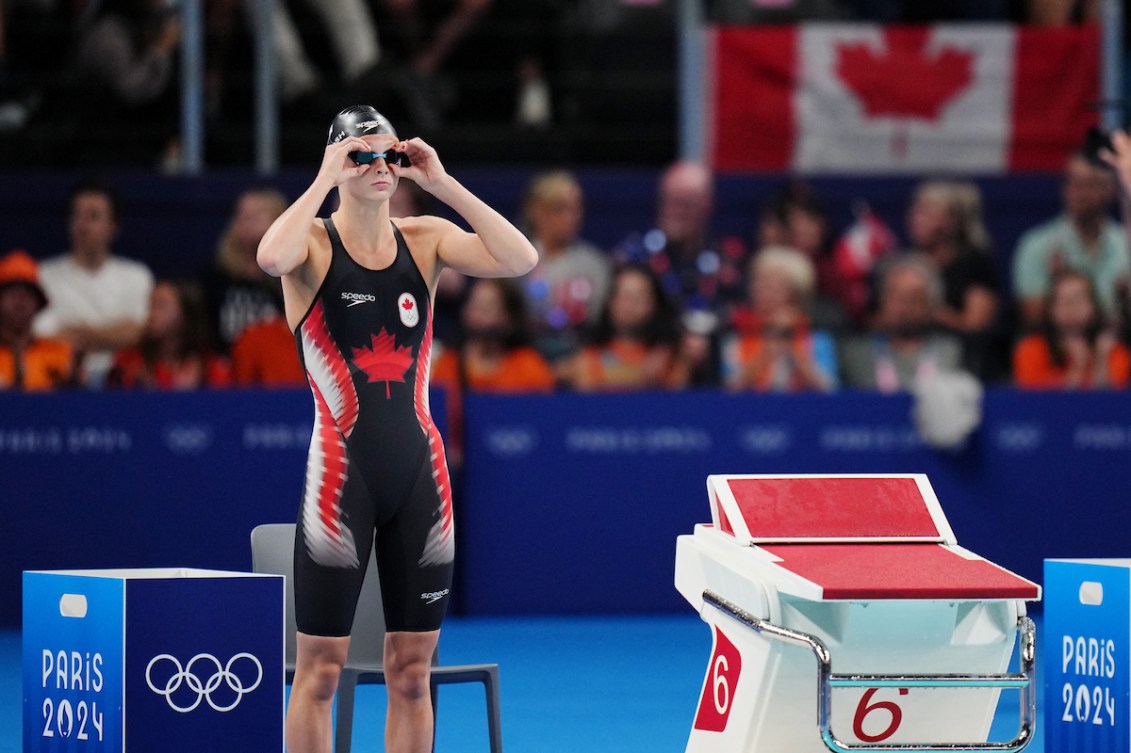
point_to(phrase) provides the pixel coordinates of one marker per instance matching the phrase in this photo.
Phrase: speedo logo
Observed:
(356, 298)
(431, 597)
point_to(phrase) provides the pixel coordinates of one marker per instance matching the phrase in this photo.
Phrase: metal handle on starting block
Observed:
(826, 681)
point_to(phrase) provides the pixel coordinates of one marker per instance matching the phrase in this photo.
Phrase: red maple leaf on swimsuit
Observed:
(906, 79)
(384, 361)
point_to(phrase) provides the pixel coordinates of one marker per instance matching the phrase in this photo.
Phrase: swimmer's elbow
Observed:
(268, 261)
(524, 261)
(274, 260)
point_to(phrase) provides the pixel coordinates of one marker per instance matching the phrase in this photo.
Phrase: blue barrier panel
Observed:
(572, 503)
(127, 480)
(568, 503)
(136, 479)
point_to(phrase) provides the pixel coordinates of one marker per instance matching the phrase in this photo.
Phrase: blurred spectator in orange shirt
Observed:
(634, 344)
(265, 355)
(28, 363)
(1076, 349)
(175, 352)
(775, 348)
(494, 355)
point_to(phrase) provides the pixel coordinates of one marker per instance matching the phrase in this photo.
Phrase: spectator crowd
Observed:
(800, 306)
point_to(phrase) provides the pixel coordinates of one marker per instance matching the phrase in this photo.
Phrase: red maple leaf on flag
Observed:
(384, 361)
(905, 79)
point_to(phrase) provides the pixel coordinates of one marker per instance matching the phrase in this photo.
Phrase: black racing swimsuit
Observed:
(376, 467)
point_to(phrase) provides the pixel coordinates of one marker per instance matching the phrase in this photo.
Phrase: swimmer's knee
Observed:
(319, 664)
(408, 663)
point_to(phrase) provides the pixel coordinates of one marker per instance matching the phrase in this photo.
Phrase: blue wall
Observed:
(573, 503)
(569, 503)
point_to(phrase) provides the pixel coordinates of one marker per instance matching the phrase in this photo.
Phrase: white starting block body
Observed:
(864, 570)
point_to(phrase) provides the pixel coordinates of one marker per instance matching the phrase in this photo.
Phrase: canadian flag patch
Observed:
(408, 310)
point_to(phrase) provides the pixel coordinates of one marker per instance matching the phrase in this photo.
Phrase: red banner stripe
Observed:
(1056, 79)
(755, 76)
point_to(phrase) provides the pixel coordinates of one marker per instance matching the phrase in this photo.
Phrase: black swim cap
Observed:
(359, 120)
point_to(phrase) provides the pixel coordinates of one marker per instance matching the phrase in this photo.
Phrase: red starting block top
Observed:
(828, 508)
(858, 537)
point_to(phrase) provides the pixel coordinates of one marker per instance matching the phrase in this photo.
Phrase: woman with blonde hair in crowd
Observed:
(175, 351)
(774, 348)
(945, 225)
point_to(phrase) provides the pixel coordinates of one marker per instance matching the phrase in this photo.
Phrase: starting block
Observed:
(846, 617)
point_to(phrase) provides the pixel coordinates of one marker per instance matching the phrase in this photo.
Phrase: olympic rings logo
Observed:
(203, 688)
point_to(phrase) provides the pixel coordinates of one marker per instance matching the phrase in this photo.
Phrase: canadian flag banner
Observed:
(836, 98)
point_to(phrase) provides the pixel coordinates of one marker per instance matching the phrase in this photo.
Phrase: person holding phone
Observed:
(1115, 151)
